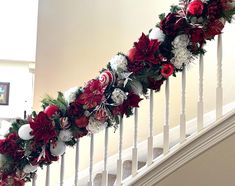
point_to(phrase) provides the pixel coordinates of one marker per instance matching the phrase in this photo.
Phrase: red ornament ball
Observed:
(51, 110)
(107, 78)
(195, 8)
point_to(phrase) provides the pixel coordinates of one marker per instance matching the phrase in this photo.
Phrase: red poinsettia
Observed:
(10, 147)
(154, 84)
(214, 28)
(214, 10)
(167, 70)
(93, 94)
(43, 129)
(144, 50)
(197, 36)
(174, 23)
(195, 8)
(82, 122)
(131, 102)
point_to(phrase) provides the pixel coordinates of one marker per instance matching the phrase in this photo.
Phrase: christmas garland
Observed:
(170, 46)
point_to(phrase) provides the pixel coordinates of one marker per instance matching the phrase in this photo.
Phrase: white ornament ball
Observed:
(65, 135)
(30, 168)
(58, 148)
(157, 33)
(24, 132)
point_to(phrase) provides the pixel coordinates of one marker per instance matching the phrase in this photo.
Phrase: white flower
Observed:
(231, 5)
(157, 33)
(95, 126)
(4, 127)
(182, 56)
(136, 87)
(70, 94)
(119, 63)
(65, 135)
(118, 96)
(181, 41)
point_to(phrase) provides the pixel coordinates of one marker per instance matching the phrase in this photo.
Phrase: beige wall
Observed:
(76, 38)
(214, 167)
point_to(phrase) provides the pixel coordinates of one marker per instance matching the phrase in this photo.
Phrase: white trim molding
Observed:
(184, 152)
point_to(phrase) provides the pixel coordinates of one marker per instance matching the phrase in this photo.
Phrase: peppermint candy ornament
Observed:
(107, 78)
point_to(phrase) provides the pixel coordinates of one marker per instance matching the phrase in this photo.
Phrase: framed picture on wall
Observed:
(4, 93)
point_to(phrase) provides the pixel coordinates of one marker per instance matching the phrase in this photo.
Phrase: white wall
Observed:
(17, 73)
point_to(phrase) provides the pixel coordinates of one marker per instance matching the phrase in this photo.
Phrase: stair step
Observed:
(157, 152)
(98, 179)
(127, 167)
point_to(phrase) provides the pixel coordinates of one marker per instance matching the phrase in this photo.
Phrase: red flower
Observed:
(214, 28)
(195, 8)
(43, 129)
(167, 70)
(51, 110)
(144, 50)
(74, 109)
(82, 122)
(93, 94)
(135, 67)
(173, 23)
(80, 133)
(197, 35)
(214, 10)
(10, 147)
(131, 102)
(154, 84)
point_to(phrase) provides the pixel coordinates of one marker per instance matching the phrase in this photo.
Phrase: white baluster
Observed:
(134, 149)
(62, 170)
(48, 176)
(105, 172)
(182, 115)
(77, 163)
(34, 180)
(166, 123)
(119, 161)
(200, 98)
(150, 138)
(90, 183)
(219, 89)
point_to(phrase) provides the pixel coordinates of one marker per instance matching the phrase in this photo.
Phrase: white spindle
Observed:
(34, 180)
(166, 123)
(105, 172)
(182, 115)
(47, 176)
(219, 89)
(76, 163)
(90, 183)
(134, 149)
(150, 138)
(62, 170)
(200, 98)
(119, 161)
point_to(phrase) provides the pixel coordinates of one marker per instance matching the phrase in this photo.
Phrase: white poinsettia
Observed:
(182, 56)
(136, 87)
(181, 41)
(119, 63)
(95, 126)
(65, 135)
(70, 94)
(118, 96)
(157, 33)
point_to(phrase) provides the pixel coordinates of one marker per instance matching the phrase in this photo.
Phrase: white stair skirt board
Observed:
(191, 128)
(179, 155)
